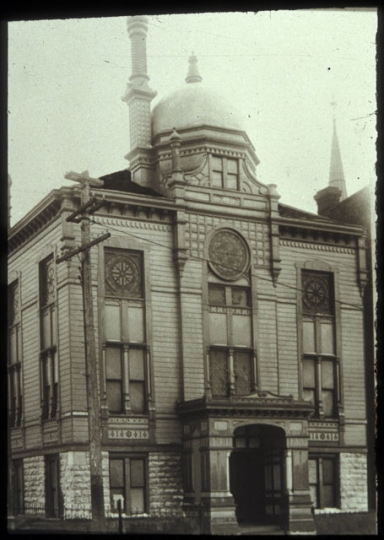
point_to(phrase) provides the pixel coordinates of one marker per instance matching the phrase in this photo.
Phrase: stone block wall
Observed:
(34, 485)
(75, 484)
(105, 470)
(353, 482)
(165, 484)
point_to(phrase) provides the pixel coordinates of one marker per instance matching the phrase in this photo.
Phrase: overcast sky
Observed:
(281, 68)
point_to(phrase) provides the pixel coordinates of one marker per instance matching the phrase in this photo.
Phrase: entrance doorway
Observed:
(257, 475)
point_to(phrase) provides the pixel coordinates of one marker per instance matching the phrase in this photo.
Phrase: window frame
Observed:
(127, 483)
(229, 307)
(53, 497)
(319, 485)
(224, 171)
(17, 492)
(125, 343)
(14, 365)
(49, 366)
(319, 358)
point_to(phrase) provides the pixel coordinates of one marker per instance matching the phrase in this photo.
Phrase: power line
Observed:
(207, 260)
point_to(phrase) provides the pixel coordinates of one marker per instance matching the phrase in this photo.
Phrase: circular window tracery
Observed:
(316, 294)
(228, 255)
(123, 275)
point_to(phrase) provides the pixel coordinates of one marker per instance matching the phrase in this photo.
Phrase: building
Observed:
(229, 334)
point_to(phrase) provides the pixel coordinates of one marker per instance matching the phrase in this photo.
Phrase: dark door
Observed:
(247, 485)
(273, 484)
(257, 474)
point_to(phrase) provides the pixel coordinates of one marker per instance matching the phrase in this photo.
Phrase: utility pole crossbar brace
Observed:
(88, 206)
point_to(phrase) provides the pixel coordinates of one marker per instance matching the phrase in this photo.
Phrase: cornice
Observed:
(318, 246)
(260, 404)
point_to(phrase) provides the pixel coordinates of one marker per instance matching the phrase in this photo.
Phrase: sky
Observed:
(281, 69)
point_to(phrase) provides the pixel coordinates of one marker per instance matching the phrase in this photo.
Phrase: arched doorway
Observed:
(257, 474)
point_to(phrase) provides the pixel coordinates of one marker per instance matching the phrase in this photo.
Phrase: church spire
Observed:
(193, 73)
(336, 172)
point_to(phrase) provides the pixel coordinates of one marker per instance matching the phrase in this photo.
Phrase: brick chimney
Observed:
(138, 97)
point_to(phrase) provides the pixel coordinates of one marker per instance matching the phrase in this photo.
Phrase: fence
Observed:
(36, 515)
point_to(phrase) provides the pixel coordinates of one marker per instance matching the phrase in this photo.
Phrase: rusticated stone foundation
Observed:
(353, 482)
(75, 485)
(34, 485)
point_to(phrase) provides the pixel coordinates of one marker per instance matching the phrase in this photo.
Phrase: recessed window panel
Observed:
(135, 331)
(309, 373)
(115, 396)
(137, 473)
(240, 297)
(327, 338)
(309, 395)
(328, 402)
(54, 326)
(137, 395)
(219, 373)
(328, 471)
(328, 497)
(13, 349)
(232, 166)
(312, 471)
(116, 471)
(327, 374)
(217, 163)
(216, 296)
(242, 333)
(218, 328)
(232, 181)
(137, 501)
(243, 373)
(309, 336)
(136, 364)
(217, 179)
(112, 322)
(46, 328)
(113, 361)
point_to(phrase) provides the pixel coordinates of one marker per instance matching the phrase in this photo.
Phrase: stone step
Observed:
(256, 530)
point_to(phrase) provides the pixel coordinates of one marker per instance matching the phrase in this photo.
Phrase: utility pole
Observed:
(88, 206)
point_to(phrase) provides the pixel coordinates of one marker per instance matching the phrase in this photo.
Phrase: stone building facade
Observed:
(229, 333)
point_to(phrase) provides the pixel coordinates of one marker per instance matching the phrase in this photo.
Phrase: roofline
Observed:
(43, 204)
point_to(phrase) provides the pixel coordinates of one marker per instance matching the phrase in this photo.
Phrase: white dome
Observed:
(191, 106)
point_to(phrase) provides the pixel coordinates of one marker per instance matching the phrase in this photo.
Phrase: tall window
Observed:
(224, 172)
(48, 339)
(230, 328)
(17, 487)
(53, 506)
(323, 481)
(128, 484)
(14, 356)
(125, 336)
(319, 350)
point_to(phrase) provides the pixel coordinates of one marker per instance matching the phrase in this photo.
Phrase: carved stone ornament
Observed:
(228, 255)
(316, 294)
(122, 276)
(48, 281)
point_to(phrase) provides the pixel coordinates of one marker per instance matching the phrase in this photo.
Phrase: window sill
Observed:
(320, 511)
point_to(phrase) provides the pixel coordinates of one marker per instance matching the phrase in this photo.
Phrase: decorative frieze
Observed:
(317, 247)
(133, 434)
(136, 224)
(323, 436)
(198, 226)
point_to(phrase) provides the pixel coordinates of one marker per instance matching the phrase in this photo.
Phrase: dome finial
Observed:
(193, 73)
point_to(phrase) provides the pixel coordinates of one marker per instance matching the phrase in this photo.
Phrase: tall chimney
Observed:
(138, 97)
